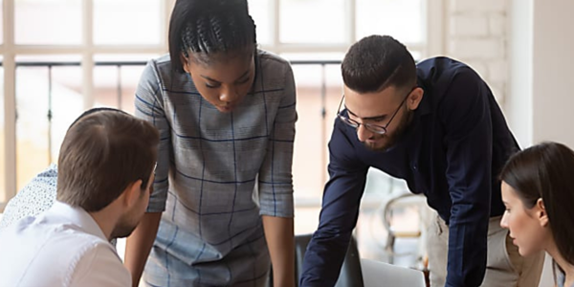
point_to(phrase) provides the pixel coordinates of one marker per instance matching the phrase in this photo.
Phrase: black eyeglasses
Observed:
(371, 127)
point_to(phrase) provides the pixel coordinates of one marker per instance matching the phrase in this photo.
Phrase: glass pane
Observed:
(402, 19)
(32, 123)
(310, 176)
(48, 22)
(312, 21)
(114, 25)
(105, 86)
(260, 11)
(2, 126)
(115, 86)
(307, 218)
(38, 136)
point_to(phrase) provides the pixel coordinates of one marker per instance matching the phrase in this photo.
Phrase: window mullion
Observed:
(88, 54)
(435, 28)
(9, 102)
(165, 14)
(275, 22)
(351, 21)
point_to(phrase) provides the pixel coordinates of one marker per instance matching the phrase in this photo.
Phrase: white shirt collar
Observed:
(79, 217)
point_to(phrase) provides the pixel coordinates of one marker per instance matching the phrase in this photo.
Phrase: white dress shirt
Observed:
(63, 246)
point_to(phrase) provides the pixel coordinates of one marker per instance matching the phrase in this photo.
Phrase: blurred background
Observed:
(60, 57)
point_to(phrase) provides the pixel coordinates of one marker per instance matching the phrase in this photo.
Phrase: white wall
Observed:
(553, 74)
(524, 49)
(477, 34)
(518, 103)
(540, 102)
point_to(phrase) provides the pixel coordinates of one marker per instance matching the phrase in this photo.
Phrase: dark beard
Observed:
(122, 230)
(397, 135)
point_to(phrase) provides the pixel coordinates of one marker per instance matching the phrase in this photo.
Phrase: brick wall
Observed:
(477, 33)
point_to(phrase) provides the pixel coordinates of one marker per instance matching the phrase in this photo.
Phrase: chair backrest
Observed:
(381, 274)
(350, 275)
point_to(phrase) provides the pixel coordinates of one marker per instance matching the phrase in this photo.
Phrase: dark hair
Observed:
(95, 110)
(545, 171)
(207, 27)
(377, 62)
(101, 155)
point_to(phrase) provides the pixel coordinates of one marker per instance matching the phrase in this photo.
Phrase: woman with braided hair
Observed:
(222, 204)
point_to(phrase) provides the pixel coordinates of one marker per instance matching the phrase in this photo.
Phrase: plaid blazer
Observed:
(217, 173)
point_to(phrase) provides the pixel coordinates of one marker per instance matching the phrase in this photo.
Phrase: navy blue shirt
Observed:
(451, 152)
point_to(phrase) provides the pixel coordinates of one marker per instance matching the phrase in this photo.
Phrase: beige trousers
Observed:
(504, 265)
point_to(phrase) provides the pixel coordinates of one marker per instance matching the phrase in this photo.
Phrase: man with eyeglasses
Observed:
(437, 126)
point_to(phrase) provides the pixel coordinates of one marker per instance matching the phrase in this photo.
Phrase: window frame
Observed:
(433, 45)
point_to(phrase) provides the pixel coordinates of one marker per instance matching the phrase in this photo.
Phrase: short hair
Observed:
(377, 62)
(545, 171)
(95, 110)
(101, 155)
(207, 27)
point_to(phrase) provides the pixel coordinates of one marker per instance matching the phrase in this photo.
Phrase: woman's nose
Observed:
(228, 95)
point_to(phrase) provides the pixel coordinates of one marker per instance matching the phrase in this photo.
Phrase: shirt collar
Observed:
(79, 217)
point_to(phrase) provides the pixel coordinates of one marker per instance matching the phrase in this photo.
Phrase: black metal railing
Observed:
(120, 64)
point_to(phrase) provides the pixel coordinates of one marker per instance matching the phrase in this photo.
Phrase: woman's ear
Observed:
(184, 63)
(541, 213)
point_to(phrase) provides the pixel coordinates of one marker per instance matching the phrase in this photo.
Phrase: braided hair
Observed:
(208, 27)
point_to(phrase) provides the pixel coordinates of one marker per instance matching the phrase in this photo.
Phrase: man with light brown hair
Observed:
(105, 173)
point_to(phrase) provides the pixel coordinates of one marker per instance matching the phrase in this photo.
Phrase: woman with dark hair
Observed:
(538, 192)
(222, 204)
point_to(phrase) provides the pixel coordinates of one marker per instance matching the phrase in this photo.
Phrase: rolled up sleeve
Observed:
(149, 106)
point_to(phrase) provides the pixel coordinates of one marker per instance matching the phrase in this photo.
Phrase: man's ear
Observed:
(541, 213)
(132, 193)
(415, 98)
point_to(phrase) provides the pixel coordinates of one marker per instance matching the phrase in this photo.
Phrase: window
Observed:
(60, 53)
(48, 22)
(115, 84)
(45, 109)
(307, 29)
(404, 19)
(113, 26)
(260, 11)
(51, 49)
